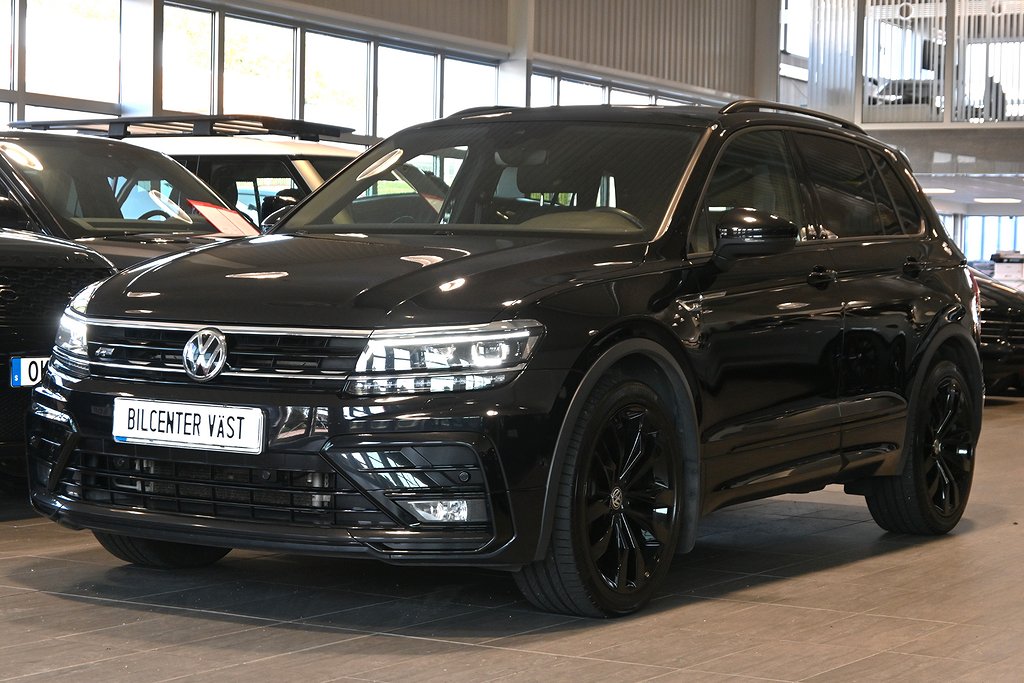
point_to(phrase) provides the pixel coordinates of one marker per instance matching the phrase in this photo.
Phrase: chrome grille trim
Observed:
(261, 357)
(279, 374)
(232, 329)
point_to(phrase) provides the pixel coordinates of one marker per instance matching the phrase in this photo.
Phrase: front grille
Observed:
(306, 498)
(37, 293)
(256, 358)
(1011, 331)
(13, 406)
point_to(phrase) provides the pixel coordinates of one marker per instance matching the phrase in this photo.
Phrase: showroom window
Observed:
(188, 60)
(577, 92)
(37, 113)
(468, 84)
(986, 235)
(93, 28)
(406, 87)
(542, 91)
(617, 96)
(547, 90)
(6, 44)
(259, 68)
(337, 81)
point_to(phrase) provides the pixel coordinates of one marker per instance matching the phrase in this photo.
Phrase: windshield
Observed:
(100, 187)
(508, 176)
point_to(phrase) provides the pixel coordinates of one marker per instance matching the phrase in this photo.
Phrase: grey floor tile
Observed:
(888, 666)
(802, 587)
(783, 660)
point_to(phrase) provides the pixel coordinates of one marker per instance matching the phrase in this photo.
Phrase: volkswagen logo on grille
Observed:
(7, 295)
(205, 354)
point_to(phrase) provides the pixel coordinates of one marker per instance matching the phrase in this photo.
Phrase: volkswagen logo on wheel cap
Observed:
(205, 354)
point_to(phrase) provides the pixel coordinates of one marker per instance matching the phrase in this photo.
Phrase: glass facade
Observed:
(93, 28)
(188, 60)
(986, 235)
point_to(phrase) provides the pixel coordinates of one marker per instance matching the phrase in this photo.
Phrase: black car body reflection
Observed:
(38, 276)
(609, 322)
(1002, 334)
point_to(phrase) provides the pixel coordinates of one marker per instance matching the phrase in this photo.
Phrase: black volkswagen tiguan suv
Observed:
(605, 323)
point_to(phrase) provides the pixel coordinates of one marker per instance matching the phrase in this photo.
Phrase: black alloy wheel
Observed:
(931, 494)
(948, 449)
(625, 503)
(620, 507)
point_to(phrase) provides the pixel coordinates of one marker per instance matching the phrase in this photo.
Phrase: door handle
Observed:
(821, 277)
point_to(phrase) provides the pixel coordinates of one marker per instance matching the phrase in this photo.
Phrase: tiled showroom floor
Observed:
(803, 587)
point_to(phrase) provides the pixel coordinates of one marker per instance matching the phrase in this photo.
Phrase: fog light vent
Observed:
(447, 511)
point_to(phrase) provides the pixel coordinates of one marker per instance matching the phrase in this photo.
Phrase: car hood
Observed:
(130, 249)
(20, 248)
(357, 281)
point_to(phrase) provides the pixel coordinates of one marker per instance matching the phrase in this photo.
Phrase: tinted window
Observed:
(847, 187)
(906, 208)
(511, 176)
(755, 172)
(245, 185)
(102, 186)
(326, 167)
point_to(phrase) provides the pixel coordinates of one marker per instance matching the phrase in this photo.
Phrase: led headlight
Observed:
(72, 337)
(439, 359)
(72, 331)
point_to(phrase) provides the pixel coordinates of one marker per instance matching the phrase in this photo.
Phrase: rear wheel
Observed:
(931, 494)
(619, 509)
(147, 552)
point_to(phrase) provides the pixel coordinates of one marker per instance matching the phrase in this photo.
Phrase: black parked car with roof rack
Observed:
(125, 202)
(612, 321)
(38, 276)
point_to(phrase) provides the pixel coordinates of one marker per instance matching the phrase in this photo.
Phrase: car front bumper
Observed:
(337, 476)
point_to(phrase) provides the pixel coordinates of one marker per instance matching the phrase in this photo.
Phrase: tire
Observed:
(929, 497)
(146, 552)
(619, 508)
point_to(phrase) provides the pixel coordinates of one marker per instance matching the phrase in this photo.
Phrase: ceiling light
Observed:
(997, 200)
(937, 190)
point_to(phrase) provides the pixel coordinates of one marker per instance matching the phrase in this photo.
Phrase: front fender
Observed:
(682, 397)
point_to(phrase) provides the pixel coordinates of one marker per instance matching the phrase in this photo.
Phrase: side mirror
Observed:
(12, 214)
(749, 232)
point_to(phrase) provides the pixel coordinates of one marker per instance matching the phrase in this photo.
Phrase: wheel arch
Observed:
(641, 357)
(949, 342)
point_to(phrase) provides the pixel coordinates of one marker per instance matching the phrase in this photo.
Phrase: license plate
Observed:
(200, 426)
(27, 372)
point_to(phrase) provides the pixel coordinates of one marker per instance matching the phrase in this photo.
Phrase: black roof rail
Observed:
(763, 105)
(487, 109)
(201, 124)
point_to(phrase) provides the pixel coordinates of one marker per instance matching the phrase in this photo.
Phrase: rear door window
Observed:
(910, 219)
(852, 197)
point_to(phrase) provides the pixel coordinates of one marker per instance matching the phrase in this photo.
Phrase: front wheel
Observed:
(147, 552)
(619, 508)
(930, 496)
